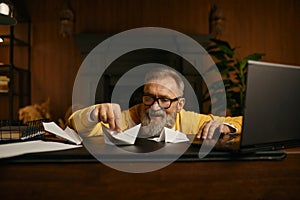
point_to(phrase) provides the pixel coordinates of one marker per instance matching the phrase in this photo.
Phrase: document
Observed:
(68, 134)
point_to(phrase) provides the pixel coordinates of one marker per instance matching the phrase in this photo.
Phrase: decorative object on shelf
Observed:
(7, 13)
(35, 112)
(66, 18)
(4, 87)
(216, 22)
(234, 73)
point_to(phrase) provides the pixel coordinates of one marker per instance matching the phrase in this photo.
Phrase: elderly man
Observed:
(162, 106)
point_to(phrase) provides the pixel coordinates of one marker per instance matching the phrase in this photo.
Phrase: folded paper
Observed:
(67, 134)
(129, 136)
(126, 137)
(171, 136)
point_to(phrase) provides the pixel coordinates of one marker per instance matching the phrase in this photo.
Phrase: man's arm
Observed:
(223, 125)
(86, 119)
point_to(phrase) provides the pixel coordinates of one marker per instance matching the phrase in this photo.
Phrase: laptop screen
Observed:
(272, 108)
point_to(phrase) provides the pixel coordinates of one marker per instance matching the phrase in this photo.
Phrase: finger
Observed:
(102, 116)
(225, 129)
(111, 122)
(212, 130)
(199, 134)
(104, 113)
(117, 116)
(111, 117)
(95, 114)
(206, 129)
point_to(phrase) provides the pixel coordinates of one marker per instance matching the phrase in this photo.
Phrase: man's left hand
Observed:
(209, 128)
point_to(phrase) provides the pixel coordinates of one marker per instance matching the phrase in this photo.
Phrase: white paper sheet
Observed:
(20, 148)
(68, 134)
(126, 137)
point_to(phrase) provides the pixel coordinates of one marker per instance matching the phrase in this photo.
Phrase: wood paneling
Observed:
(268, 26)
(180, 180)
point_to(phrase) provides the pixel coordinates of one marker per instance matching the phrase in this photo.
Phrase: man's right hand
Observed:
(109, 113)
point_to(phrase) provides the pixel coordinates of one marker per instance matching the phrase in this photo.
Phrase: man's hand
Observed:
(108, 113)
(208, 129)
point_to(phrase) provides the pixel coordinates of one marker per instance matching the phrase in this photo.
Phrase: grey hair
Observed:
(162, 72)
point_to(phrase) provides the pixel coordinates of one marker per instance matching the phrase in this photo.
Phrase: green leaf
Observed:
(220, 42)
(224, 47)
(254, 56)
(229, 52)
(218, 54)
(211, 48)
(233, 73)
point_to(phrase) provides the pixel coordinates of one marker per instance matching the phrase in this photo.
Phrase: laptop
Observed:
(272, 111)
(272, 107)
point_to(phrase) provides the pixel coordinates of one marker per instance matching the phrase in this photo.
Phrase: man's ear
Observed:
(180, 104)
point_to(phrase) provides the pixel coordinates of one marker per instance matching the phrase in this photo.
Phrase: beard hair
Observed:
(152, 128)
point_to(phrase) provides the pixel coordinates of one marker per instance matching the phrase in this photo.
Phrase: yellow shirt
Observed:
(186, 121)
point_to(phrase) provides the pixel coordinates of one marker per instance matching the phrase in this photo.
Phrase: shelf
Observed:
(4, 67)
(15, 66)
(6, 41)
(15, 94)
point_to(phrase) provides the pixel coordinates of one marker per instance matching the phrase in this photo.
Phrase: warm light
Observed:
(1, 40)
(4, 9)
(7, 13)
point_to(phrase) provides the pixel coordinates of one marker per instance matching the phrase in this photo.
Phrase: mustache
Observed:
(156, 113)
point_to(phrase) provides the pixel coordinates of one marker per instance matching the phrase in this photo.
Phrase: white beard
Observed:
(153, 127)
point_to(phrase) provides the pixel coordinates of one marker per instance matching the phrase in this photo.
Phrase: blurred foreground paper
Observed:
(20, 148)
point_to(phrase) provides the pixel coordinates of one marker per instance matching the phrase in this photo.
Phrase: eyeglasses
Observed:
(162, 102)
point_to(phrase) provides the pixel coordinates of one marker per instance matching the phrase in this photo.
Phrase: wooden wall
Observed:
(262, 26)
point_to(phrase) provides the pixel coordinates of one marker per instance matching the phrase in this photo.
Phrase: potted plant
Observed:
(234, 73)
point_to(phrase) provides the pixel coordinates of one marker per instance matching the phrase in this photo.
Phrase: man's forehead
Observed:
(166, 84)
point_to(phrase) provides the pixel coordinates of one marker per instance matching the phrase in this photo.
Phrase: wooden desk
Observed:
(180, 180)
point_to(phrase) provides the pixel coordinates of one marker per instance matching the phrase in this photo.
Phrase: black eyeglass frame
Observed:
(157, 100)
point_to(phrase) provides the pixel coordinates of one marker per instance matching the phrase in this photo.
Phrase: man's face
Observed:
(155, 118)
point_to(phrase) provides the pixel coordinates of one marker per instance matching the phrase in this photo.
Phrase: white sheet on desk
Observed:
(20, 148)
(171, 136)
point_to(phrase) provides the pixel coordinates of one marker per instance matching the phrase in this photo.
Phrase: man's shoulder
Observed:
(189, 113)
(133, 113)
(189, 116)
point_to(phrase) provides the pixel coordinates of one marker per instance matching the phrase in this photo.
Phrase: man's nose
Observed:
(155, 106)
